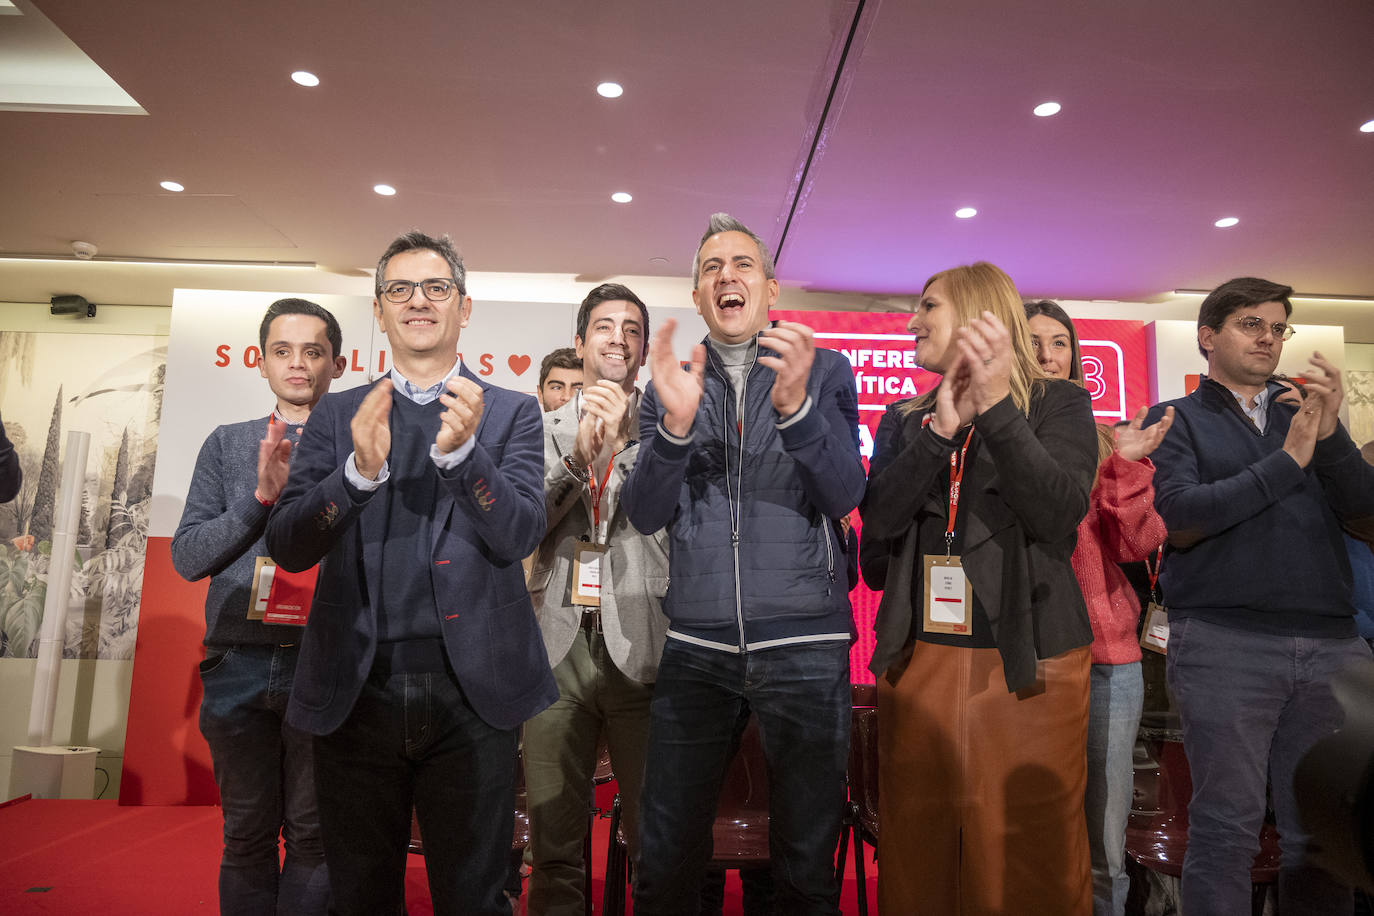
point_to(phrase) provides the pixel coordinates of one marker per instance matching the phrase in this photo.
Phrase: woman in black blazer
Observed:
(976, 490)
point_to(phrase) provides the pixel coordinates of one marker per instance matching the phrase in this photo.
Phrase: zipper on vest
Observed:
(829, 548)
(735, 501)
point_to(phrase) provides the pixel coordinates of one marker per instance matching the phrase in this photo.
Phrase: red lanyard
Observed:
(599, 490)
(957, 465)
(1153, 572)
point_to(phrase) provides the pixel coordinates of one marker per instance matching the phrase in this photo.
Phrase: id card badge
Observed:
(1155, 635)
(281, 597)
(949, 597)
(586, 582)
(264, 571)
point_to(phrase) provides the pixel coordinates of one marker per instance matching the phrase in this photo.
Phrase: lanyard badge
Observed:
(948, 594)
(587, 556)
(1155, 634)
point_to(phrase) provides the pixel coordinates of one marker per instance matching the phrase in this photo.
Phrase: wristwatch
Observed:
(577, 470)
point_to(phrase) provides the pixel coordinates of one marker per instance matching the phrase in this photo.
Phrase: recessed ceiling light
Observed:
(1367, 127)
(1226, 222)
(658, 262)
(966, 213)
(621, 197)
(385, 190)
(1046, 109)
(172, 186)
(305, 78)
(610, 90)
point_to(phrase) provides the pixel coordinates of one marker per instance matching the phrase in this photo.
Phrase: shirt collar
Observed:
(422, 395)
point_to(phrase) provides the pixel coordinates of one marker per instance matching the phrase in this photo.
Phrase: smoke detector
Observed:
(84, 251)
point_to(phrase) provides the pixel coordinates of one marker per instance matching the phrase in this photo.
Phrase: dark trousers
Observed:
(266, 786)
(1252, 704)
(412, 739)
(702, 701)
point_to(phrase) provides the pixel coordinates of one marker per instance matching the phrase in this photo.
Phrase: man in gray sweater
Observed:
(262, 765)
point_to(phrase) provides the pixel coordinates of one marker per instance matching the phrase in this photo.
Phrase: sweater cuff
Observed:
(1334, 448)
(682, 442)
(798, 416)
(252, 513)
(1123, 470)
(1279, 472)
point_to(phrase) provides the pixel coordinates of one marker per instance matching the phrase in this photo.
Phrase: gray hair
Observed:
(724, 222)
(415, 240)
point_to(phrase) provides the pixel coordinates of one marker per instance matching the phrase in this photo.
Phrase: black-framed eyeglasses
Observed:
(436, 289)
(1255, 326)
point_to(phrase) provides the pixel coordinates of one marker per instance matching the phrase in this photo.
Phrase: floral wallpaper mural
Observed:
(1359, 396)
(109, 386)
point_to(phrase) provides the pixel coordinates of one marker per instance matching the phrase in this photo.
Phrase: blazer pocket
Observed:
(657, 586)
(538, 584)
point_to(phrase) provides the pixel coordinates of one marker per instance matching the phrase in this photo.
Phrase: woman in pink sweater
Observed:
(1121, 527)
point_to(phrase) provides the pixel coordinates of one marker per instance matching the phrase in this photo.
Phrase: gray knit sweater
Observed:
(221, 534)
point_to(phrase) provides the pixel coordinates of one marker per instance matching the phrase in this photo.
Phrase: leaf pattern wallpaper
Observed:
(110, 386)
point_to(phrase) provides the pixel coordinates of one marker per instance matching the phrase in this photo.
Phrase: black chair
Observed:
(739, 833)
(1157, 830)
(861, 820)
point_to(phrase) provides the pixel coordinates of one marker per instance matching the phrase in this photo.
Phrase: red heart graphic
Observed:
(518, 364)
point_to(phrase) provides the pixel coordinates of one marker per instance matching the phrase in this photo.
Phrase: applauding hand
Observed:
(679, 392)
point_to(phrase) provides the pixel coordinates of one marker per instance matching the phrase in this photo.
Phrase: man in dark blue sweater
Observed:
(263, 766)
(1255, 494)
(418, 496)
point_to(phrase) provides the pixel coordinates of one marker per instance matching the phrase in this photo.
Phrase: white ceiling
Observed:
(483, 116)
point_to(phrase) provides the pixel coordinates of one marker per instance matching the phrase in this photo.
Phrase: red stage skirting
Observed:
(78, 857)
(166, 761)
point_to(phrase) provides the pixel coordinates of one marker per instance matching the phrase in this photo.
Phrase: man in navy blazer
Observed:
(417, 497)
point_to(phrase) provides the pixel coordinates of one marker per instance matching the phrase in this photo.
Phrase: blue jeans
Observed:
(413, 740)
(264, 772)
(1252, 703)
(1115, 701)
(702, 701)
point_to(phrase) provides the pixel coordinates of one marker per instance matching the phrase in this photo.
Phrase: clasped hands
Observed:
(371, 424)
(604, 407)
(1319, 411)
(977, 378)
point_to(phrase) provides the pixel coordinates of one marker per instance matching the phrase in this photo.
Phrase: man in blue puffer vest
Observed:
(748, 458)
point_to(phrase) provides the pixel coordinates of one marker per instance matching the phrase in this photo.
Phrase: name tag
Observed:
(586, 581)
(949, 596)
(1155, 636)
(281, 597)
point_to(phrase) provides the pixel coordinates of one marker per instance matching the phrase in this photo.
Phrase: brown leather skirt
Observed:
(980, 791)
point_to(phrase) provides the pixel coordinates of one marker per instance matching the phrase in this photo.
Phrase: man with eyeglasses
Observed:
(418, 496)
(1255, 493)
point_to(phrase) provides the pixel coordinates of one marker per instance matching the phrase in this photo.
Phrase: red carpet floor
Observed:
(95, 857)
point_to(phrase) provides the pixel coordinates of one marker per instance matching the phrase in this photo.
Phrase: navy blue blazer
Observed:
(489, 515)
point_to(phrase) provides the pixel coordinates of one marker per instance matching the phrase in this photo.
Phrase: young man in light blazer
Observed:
(597, 586)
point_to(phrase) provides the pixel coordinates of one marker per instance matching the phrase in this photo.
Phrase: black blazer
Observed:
(1026, 491)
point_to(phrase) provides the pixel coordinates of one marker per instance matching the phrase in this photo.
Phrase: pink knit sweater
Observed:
(1121, 527)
